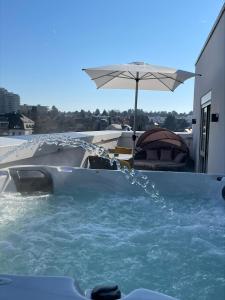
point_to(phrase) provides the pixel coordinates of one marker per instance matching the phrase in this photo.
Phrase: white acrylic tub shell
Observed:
(56, 288)
(68, 179)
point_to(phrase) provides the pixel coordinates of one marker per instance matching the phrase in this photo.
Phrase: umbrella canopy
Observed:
(150, 77)
(137, 75)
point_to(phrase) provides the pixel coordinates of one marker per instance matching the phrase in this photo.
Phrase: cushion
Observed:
(152, 154)
(180, 157)
(145, 164)
(165, 155)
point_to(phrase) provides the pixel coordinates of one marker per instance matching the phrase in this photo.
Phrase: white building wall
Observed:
(211, 65)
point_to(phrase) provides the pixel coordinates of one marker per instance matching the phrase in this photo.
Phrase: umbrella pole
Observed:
(135, 114)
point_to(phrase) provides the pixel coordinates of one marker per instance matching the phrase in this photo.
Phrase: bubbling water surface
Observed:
(175, 246)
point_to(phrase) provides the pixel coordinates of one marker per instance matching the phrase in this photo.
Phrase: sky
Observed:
(44, 44)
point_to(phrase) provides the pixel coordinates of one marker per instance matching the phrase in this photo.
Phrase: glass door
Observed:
(204, 136)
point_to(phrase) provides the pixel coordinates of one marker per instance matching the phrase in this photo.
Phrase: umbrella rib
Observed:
(171, 78)
(146, 77)
(132, 75)
(124, 77)
(118, 76)
(109, 74)
(108, 80)
(149, 78)
(162, 82)
(146, 74)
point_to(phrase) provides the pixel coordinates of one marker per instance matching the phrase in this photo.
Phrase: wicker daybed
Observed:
(160, 149)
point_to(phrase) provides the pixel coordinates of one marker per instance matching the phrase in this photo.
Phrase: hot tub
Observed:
(101, 227)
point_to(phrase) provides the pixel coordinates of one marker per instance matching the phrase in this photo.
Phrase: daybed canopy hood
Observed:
(161, 138)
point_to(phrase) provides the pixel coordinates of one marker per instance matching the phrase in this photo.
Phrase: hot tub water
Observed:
(175, 246)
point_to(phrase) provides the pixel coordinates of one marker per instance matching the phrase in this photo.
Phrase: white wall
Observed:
(212, 67)
(16, 150)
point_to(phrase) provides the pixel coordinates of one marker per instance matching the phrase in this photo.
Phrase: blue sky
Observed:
(44, 44)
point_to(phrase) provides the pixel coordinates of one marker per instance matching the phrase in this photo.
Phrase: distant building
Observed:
(126, 127)
(209, 102)
(157, 119)
(4, 125)
(101, 122)
(15, 124)
(38, 109)
(114, 127)
(9, 102)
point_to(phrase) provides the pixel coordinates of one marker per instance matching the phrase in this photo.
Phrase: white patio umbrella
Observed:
(137, 75)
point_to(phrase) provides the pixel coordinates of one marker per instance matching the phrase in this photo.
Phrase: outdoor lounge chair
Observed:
(161, 165)
(160, 149)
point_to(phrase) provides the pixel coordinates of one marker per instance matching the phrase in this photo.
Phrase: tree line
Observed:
(54, 120)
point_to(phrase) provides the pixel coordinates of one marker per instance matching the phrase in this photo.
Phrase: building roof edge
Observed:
(211, 31)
